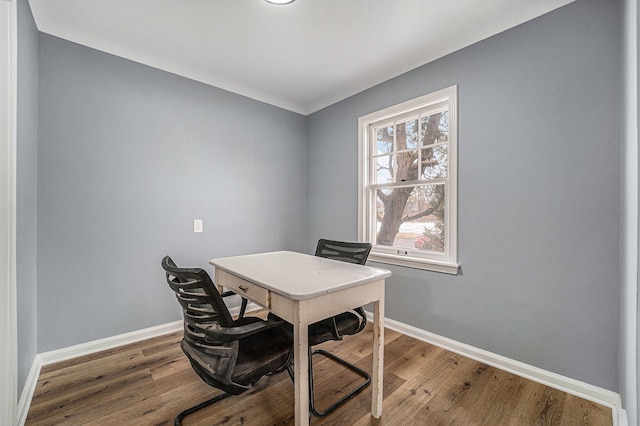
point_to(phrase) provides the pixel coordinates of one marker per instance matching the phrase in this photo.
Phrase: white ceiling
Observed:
(302, 57)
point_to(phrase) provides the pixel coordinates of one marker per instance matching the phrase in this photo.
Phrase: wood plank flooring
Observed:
(150, 382)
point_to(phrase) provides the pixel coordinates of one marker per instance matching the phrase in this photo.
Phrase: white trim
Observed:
(556, 381)
(620, 417)
(28, 391)
(8, 309)
(94, 346)
(628, 346)
(446, 262)
(82, 349)
(87, 348)
(432, 98)
(412, 262)
(566, 384)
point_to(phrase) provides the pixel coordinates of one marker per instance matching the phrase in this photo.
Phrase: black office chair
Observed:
(226, 354)
(344, 324)
(334, 328)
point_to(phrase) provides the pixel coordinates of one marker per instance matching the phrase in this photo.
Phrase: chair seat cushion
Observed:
(347, 323)
(268, 351)
(263, 353)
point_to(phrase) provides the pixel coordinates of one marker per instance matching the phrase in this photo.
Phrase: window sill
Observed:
(425, 264)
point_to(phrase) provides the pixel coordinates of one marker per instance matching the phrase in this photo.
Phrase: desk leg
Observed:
(301, 364)
(378, 356)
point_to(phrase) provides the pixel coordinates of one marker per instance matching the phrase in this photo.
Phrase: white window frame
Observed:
(446, 262)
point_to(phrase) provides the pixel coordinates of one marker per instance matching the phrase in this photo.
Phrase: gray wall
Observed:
(539, 192)
(26, 189)
(128, 156)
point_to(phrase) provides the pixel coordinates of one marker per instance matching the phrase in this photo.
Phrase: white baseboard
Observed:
(87, 348)
(620, 417)
(566, 384)
(82, 349)
(27, 392)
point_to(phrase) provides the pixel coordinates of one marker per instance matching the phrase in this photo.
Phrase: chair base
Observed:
(193, 409)
(355, 391)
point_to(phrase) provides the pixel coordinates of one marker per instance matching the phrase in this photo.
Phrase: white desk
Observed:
(304, 289)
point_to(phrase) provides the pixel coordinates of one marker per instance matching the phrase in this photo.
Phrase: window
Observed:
(408, 186)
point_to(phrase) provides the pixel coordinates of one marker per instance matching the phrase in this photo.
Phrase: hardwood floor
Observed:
(150, 382)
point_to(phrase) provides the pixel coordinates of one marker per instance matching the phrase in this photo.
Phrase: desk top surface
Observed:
(296, 275)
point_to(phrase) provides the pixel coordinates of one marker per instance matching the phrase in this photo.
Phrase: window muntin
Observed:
(408, 182)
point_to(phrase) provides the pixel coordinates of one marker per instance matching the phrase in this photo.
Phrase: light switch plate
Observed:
(197, 225)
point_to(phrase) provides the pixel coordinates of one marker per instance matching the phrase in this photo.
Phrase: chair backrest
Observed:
(344, 251)
(202, 305)
(356, 253)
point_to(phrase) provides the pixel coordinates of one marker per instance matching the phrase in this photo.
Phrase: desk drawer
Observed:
(244, 288)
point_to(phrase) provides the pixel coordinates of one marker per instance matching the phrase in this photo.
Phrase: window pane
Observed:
(435, 162)
(384, 139)
(384, 169)
(411, 218)
(406, 166)
(408, 170)
(407, 134)
(434, 128)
